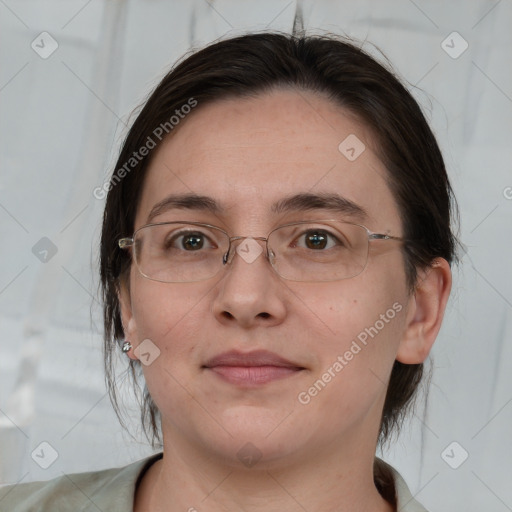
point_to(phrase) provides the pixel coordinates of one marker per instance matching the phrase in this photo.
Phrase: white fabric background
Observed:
(62, 118)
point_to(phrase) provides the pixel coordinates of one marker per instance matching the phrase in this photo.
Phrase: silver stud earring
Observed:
(127, 346)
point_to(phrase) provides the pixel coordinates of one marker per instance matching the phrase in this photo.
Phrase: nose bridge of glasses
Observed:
(247, 247)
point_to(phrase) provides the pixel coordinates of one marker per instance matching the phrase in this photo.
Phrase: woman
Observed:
(275, 254)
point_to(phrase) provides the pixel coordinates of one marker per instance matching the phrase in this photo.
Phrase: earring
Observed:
(127, 346)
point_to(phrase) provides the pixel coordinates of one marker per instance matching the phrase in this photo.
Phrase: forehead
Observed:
(250, 153)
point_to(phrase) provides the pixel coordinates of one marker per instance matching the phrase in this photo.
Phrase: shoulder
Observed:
(389, 477)
(109, 489)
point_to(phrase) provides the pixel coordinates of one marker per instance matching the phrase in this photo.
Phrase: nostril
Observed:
(264, 315)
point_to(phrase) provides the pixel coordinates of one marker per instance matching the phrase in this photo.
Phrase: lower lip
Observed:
(253, 375)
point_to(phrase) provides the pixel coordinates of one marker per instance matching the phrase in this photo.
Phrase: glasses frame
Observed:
(127, 243)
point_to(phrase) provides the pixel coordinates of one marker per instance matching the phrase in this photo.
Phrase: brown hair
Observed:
(247, 66)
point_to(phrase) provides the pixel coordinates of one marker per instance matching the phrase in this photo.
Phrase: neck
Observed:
(335, 479)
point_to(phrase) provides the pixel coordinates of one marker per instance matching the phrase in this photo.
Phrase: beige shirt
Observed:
(113, 490)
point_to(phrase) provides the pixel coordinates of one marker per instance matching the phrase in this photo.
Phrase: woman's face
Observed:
(246, 155)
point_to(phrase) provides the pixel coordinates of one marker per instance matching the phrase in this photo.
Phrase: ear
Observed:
(425, 312)
(127, 319)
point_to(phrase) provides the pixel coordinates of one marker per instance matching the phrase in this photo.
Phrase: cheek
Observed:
(172, 317)
(169, 314)
(356, 355)
(361, 320)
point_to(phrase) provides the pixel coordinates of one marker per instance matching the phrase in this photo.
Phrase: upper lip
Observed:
(254, 358)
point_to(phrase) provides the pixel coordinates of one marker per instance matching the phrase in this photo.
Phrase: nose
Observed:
(250, 293)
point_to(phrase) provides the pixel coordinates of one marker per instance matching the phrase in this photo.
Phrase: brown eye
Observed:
(192, 242)
(316, 240)
(188, 241)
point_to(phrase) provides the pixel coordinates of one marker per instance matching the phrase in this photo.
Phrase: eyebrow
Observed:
(296, 203)
(321, 201)
(184, 202)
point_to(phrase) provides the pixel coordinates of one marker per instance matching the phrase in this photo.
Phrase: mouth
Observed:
(251, 368)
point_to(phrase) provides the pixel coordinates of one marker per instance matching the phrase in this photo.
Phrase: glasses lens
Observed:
(319, 251)
(178, 252)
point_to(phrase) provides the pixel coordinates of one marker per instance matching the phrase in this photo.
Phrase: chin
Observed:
(256, 438)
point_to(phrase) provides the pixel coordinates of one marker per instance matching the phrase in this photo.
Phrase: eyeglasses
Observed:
(315, 251)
